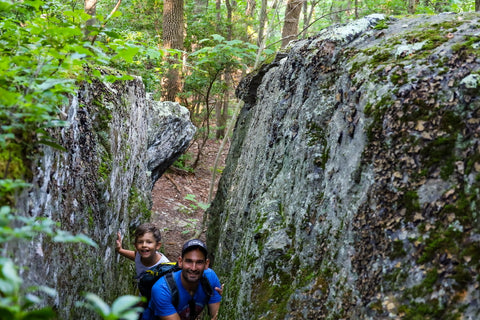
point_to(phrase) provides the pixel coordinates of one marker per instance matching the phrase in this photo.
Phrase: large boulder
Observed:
(99, 184)
(352, 186)
(169, 136)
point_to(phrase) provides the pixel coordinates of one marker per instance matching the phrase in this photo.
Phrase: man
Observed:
(193, 292)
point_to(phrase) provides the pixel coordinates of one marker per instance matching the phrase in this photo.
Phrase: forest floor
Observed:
(177, 217)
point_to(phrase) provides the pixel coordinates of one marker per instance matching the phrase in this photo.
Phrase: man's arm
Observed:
(213, 308)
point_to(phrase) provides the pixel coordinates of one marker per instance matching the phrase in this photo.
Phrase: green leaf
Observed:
(52, 144)
(124, 303)
(154, 53)
(5, 5)
(49, 83)
(49, 291)
(127, 53)
(97, 304)
(116, 14)
(218, 37)
(190, 197)
(64, 236)
(41, 314)
(113, 78)
(234, 42)
(30, 300)
(12, 281)
(6, 312)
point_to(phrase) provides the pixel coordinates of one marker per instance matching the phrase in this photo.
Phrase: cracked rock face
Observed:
(351, 189)
(100, 184)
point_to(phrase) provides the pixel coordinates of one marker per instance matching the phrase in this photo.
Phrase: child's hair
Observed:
(148, 227)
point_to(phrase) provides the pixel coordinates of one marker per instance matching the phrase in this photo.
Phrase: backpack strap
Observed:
(173, 288)
(207, 288)
(172, 285)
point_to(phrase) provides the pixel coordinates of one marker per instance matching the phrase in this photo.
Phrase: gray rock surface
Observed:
(169, 136)
(100, 185)
(351, 189)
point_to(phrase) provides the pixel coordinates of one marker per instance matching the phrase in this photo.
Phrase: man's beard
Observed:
(191, 276)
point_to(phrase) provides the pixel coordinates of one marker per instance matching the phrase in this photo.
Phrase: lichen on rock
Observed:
(352, 186)
(99, 184)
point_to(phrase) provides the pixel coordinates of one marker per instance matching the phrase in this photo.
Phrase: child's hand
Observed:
(118, 244)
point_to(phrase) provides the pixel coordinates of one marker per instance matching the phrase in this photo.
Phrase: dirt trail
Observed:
(179, 218)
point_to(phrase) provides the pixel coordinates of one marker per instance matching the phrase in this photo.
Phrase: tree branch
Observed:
(106, 20)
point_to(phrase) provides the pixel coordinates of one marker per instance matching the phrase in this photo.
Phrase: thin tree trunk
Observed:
(215, 165)
(262, 38)
(411, 6)
(251, 4)
(222, 104)
(172, 39)
(290, 26)
(90, 9)
(262, 21)
(477, 5)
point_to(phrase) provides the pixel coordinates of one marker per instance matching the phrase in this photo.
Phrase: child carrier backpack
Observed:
(147, 279)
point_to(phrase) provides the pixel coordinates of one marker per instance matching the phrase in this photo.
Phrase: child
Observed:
(147, 243)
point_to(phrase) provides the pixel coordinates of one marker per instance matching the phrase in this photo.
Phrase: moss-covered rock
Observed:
(352, 187)
(97, 184)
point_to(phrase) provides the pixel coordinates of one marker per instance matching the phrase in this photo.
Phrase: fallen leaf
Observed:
(476, 165)
(420, 126)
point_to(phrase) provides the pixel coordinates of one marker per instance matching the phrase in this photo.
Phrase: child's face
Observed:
(146, 245)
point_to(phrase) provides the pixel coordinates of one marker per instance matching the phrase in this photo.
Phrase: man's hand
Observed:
(219, 290)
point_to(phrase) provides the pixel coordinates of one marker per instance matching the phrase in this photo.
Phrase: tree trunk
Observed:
(308, 10)
(229, 20)
(172, 39)
(262, 35)
(91, 7)
(290, 26)
(477, 5)
(251, 4)
(262, 22)
(218, 115)
(221, 106)
(411, 6)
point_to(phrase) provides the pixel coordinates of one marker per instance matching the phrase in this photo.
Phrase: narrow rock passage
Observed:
(177, 217)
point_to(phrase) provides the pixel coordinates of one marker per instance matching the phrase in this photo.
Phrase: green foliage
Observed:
(196, 204)
(125, 307)
(14, 305)
(15, 301)
(44, 54)
(182, 162)
(218, 54)
(215, 57)
(190, 226)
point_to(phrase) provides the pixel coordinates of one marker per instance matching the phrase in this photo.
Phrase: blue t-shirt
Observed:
(161, 301)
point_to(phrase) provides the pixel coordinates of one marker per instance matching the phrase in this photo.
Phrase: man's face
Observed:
(193, 264)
